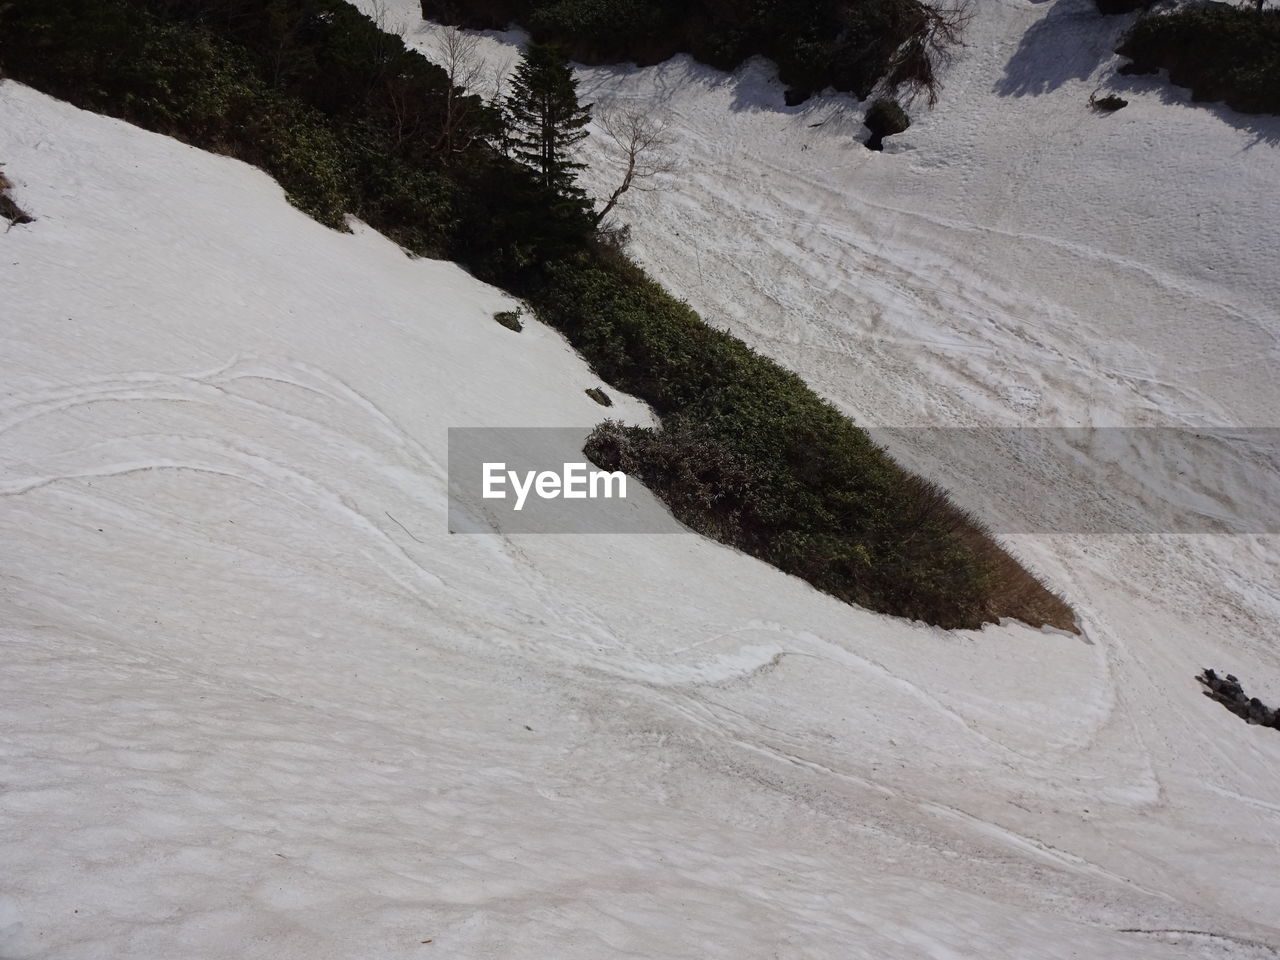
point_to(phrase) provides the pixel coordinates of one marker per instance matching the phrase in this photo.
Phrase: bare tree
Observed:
(402, 102)
(459, 54)
(643, 141)
(933, 38)
(498, 74)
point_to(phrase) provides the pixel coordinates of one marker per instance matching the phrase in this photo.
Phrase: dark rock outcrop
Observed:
(1228, 692)
(1108, 104)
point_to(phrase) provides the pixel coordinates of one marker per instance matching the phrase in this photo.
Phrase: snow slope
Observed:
(257, 702)
(1017, 259)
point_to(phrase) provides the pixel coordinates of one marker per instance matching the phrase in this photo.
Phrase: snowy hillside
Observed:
(257, 702)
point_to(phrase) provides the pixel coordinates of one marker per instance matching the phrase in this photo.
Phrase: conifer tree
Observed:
(545, 119)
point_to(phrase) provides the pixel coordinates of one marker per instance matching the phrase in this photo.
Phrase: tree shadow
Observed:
(754, 87)
(1068, 43)
(663, 80)
(1264, 128)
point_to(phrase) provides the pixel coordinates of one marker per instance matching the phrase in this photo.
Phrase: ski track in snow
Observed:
(258, 702)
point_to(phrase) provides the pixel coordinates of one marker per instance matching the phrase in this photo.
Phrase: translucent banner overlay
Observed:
(1015, 480)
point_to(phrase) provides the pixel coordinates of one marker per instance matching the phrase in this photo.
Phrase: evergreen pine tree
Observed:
(545, 118)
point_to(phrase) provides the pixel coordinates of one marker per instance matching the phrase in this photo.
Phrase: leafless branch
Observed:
(939, 31)
(642, 140)
(459, 54)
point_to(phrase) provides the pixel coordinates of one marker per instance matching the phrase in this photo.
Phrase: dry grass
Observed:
(8, 209)
(1016, 592)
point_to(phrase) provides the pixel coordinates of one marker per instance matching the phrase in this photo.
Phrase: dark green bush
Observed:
(1111, 7)
(123, 60)
(509, 319)
(845, 44)
(602, 29)
(886, 117)
(1220, 52)
(751, 456)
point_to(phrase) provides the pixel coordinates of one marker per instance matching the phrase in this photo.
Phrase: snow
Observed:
(257, 701)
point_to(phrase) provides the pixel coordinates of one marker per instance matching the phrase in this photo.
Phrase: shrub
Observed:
(125, 61)
(1220, 52)
(509, 319)
(1108, 104)
(884, 118)
(849, 45)
(301, 151)
(867, 532)
(1111, 7)
(749, 455)
(602, 30)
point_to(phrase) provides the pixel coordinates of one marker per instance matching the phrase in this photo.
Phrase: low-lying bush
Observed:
(849, 45)
(1221, 52)
(749, 455)
(509, 319)
(1113, 7)
(884, 118)
(1108, 104)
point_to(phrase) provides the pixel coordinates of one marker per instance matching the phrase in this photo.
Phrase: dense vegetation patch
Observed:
(749, 455)
(341, 114)
(884, 119)
(349, 121)
(1221, 52)
(846, 44)
(1111, 7)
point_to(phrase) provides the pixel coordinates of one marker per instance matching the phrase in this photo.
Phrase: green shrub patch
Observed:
(848, 45)
(1220, 51)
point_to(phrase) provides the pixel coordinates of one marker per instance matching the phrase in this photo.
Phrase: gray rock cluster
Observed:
(1228, 692)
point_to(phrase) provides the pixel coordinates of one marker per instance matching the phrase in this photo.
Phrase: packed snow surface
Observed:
(257, 702)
